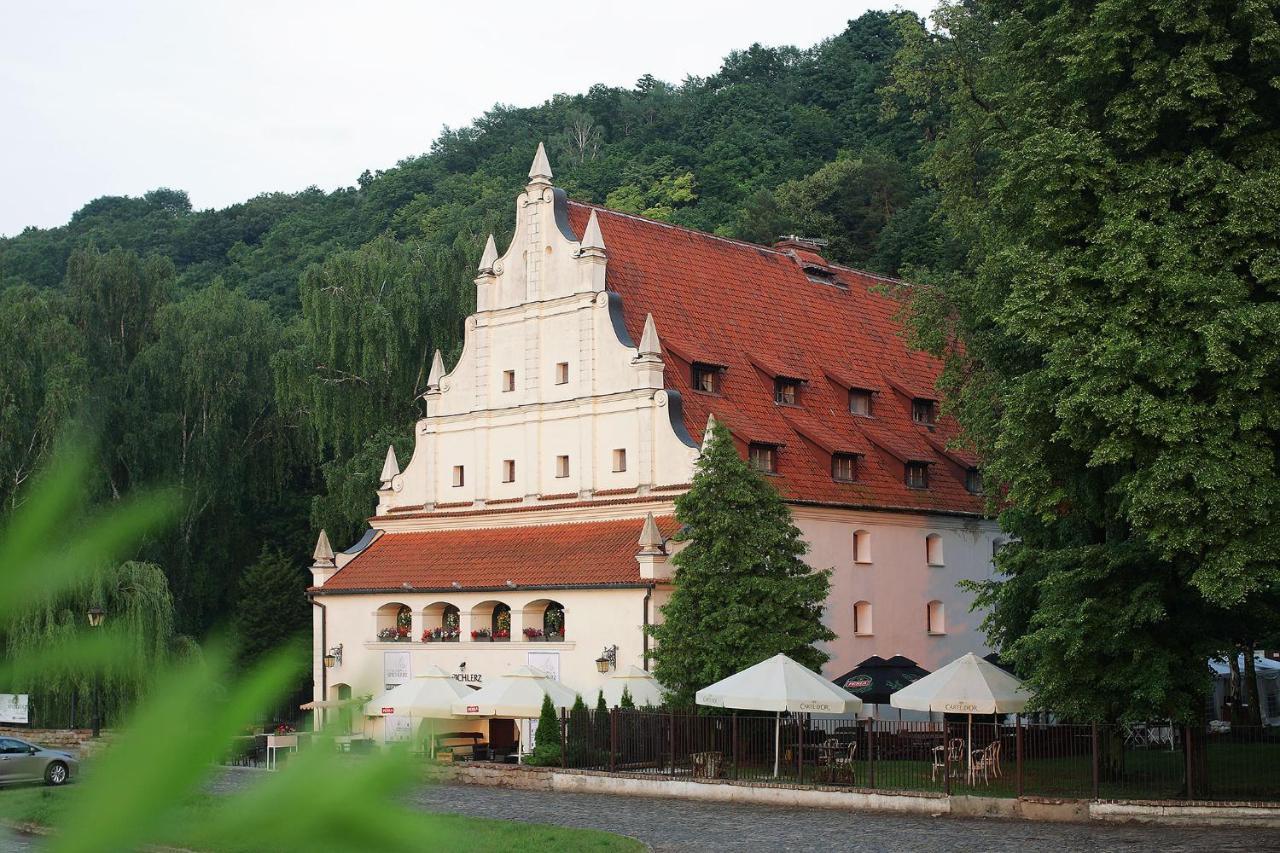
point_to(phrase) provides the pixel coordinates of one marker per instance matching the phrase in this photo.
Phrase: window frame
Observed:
(562, 466)
(619, 460)
(769, 451)
(922, 467)
(862, 393)
(973, 481)
(924, 411)
(459, 476)
(929, 615)
(508, 470)
(562, 373)
(864, 627)
(852, 460)
(508, 381)
(787, 391)
(712, 371)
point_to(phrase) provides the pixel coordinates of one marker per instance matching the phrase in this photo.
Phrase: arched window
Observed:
(861, 547)
(933, 549)
(862, 619)
(553, 621)
(440, 623)
(394, 623)
(936, 616)
(501, 622)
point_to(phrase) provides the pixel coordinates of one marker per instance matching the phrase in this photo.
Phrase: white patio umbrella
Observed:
(429, 695)
(640, 683)
(517, 694)
(779, 684)
(968, 685)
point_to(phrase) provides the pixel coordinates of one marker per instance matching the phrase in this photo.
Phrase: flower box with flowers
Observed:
(555, 636)
(533, 635)
(481, 635)
(393, 635)
(440, 635)
(502, 635)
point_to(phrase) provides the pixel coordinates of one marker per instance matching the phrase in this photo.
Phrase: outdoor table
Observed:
(825, 754)
(278, 742)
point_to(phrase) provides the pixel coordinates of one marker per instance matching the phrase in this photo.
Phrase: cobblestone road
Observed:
(682, 825)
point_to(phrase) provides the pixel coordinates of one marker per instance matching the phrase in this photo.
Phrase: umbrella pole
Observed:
(970, 746)
(777, 741)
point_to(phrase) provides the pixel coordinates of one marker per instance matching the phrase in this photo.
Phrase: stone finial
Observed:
(390, 468)
(649, 343)
(490, 256)
(592, 239)
(651, 540)
(437, 372)
(323, 555)
(706, 432)
(540, 171)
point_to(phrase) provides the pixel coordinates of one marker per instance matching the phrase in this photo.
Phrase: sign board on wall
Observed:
(397, 728)
(395, 668)
(15, 708)
(548, 662)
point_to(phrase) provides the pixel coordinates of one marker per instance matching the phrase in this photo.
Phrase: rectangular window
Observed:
(706, 378)
(860, 402)
(917, 475)
(786, 392)
(508, 380)
(562, 373)
(844, 467)
(508, 470)
(973, 481)
(459, 478)
(562, 466)
(924, 411)
(619, 460)
(764, 458)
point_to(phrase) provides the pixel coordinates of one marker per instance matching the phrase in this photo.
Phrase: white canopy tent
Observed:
(427, 696)
(967, 685)
(779, 684)
(517, 694)
(1268, 676)
(640, 683)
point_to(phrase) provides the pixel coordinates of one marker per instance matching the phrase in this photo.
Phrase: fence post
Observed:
(1018, 751)
(671, 741)
(1186, 746)
(1093, 740)
(613, 739)
(734, 745)
(799, 749)
(871, 752)
(564, 739)
(946, 752)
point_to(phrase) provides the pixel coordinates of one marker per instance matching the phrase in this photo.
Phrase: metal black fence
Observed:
(982, 756)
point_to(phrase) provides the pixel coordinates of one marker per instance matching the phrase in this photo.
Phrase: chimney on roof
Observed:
(807, 252)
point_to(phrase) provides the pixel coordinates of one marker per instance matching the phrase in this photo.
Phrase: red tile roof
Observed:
(599, 553)
(755, 311)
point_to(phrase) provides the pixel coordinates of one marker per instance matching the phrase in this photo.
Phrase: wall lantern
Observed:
(608, 659)
(333, 657)
(96, 615)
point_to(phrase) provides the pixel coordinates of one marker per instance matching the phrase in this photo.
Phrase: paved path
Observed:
(683, 825)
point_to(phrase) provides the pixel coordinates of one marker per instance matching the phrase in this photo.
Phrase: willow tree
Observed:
(139, 612)
(1111, 344)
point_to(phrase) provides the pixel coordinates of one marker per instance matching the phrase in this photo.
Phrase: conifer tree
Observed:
(600, 721)
(742, 592)
(626, 702)
(546, 739)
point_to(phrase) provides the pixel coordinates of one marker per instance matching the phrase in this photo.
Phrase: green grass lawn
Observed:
(47, 807)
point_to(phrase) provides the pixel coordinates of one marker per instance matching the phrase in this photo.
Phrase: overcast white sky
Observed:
(230, 99)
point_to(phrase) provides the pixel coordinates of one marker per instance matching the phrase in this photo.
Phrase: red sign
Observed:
(388, 710)
(473, 709)
(858, 683)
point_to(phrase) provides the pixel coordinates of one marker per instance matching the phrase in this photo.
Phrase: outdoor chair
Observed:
(1137, 736)
(982, 764)
(993, 751)
(953, 750)
(842, 762)
(706, 765)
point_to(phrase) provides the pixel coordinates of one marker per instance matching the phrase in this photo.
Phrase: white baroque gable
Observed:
(549, 381)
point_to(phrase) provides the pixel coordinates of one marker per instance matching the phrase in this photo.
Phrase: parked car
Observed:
(25, 762)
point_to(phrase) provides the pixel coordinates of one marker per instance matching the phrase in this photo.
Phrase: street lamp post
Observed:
(96, 615)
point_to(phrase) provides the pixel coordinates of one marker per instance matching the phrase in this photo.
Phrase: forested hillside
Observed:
(261, 357)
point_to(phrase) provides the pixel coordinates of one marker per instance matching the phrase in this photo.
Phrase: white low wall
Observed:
(900, 802)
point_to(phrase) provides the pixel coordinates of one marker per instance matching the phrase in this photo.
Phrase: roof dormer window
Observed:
(705, 378)
(973, 481)
(860, 402)
(764, 458)
(916, 475)
(924, 411)
(786, 391)
(844, 467)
